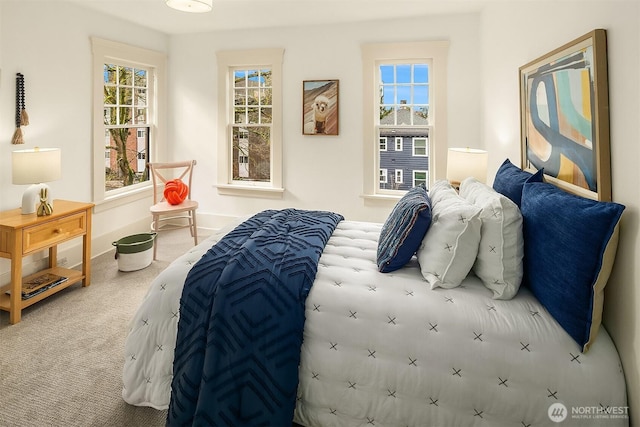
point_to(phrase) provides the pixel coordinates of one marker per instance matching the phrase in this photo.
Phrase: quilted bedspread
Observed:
(386, 350)
(241, 321)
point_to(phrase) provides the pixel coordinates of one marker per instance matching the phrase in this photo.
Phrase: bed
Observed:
(400, 330)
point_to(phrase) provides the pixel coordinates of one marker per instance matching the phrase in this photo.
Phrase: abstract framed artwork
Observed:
(320, 107)
(564, 116)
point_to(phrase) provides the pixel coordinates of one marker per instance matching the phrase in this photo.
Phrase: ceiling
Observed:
(244, 14)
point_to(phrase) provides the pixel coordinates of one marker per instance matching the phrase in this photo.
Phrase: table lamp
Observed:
(465, 162)
(35, 166)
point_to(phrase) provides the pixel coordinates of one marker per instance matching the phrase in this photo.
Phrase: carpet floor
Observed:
(62, 364)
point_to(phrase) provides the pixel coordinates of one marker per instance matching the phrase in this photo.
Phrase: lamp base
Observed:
(31, 198)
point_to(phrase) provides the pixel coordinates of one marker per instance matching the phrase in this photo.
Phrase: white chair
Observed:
(165, 215)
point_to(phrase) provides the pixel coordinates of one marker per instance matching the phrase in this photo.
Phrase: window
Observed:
(383, 144)
(126, 124)
(250, 129)
(405, 97)
(126, 92)
(243, 155)
(383, 176)
(251, 125)
(420, 147)
(420, 177)
(404, 112)
(399, 179)
(399, 143)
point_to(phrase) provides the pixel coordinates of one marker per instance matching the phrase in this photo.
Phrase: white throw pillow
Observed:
(450, 246)
(499, 263)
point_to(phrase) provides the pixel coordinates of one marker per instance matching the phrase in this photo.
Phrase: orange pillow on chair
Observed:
(175, 191)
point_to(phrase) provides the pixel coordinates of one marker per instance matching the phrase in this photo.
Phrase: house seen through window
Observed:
(405, 125)
(403, 122)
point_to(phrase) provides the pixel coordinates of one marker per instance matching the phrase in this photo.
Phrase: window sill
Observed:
(249, 191)
(123, 198)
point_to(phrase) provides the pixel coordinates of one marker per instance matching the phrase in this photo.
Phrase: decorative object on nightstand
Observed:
(35, 166)
(195, 6)
(44, 208)
(465, 162)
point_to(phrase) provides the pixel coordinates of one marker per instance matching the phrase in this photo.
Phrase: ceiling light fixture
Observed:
(195, 6)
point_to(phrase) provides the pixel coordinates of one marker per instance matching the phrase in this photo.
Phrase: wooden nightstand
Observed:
(22, 235)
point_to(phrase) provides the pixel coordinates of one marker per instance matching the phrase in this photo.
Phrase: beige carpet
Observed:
(62, 364)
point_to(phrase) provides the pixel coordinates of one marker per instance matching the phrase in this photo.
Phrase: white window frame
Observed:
(104, 52)
(252, 58)
(433, 52)
(385, 142)
(399, 176)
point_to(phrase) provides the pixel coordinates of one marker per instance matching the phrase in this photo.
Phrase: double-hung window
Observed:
(404, 102)
(126, 124)
(128, 84)
(404, 113)
(249, 122)
(251, 127)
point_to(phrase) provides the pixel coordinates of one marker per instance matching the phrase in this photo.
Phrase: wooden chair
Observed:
(165, 215)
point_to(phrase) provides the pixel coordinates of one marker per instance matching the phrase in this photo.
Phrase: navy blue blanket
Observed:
(241, 322)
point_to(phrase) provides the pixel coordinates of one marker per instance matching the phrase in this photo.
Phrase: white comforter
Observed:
(385, 350)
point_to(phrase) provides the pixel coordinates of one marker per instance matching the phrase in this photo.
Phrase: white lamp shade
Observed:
(36, 165)
(195, 6)
(465, 162)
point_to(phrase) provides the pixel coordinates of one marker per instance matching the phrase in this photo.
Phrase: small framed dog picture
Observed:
(320, 107)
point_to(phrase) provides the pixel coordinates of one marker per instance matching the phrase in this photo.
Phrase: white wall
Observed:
(49, 43)
(513, 35)
(320, 172)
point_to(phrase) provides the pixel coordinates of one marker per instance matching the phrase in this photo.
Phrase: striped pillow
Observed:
(404, 230)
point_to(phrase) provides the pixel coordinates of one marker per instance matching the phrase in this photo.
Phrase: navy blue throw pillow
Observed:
(404, 229)
(570, 244)
(510, 179)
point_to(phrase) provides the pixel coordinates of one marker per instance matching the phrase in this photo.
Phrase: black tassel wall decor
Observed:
(22, 118)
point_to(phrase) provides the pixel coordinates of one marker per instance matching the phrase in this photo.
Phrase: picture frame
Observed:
(564, 116)
(320, 107)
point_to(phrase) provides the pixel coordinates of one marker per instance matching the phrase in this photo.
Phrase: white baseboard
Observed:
(208, 221)
(104, 243)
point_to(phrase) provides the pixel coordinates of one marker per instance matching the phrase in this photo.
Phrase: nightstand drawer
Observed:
(44, 235)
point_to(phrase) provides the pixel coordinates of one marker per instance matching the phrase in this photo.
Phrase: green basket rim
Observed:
(140, 242)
